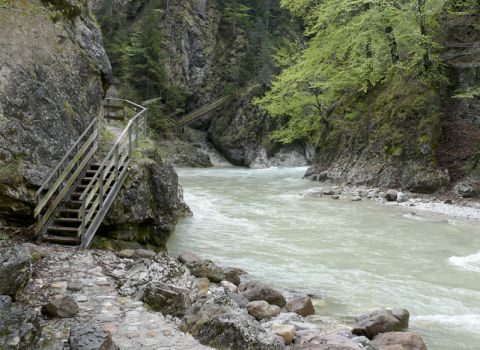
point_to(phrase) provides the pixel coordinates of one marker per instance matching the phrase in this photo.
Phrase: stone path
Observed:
(65, 270)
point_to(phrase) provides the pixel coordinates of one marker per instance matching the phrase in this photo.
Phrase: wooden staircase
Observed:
(74, 199)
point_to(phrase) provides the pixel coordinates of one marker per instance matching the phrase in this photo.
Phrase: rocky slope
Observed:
(53, 75)
(51, 78)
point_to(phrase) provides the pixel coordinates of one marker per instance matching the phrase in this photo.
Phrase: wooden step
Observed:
(69, 220)
(63, 229)
(62, 240)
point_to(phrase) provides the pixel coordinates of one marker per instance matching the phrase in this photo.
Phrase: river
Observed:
(357, 256)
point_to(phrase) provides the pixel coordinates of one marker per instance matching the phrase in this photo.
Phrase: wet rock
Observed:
(356, 199)
(262, 310)
(302, 305)
(391, 195)
(167, 299)
(287, 332)
(402, 197)
(237, 331)
(382, 321)
(15, 270)
(189, 258)
(255, 290)
(208, 269)
(126, 253)
(144, 254)
(467, 189)
(399, 341)
(239, 299)
(160, 268)
(233, 275)
(75, 286)
(229, 287)
(202, 286)
(329, 192)
(85, 337)
(19, 326)
(63, 307)
(335, 197)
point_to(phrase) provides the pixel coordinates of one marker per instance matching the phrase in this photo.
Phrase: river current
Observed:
(357, 256)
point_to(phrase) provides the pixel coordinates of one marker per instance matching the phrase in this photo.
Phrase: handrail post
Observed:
(137, 132)
(100, 186)
(130, 142)
(124, 109)
(145, 124)
(116, 161)
(84, 214)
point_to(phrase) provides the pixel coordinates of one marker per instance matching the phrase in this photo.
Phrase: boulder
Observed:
(382, 321)
(126, 253)
(167, 298)
(302, 305)
(189, 258)
(229, 287)
(63, 307)
(75, 286)
(467, 188)
(202, 286)
(19, 326)
(237, 331)
(206, 268)
(262, 310)
(391, 195)
(233, 275)
(239, 299)
(254, 290)
(399, 341)
(402, 197)
(86, 337)
(15, 270)
(144, 254)
(286, 331)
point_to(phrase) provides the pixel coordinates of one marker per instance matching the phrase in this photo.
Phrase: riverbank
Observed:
(69, 298)
(446, 204)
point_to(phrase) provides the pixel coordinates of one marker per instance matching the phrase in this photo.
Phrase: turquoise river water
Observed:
(357, 256)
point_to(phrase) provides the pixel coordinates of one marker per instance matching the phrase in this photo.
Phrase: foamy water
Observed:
(355, 255)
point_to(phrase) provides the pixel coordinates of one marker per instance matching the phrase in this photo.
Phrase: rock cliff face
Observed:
(51, 77)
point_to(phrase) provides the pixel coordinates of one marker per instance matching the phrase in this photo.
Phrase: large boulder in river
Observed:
(15, 270)
(167, 298)
(19, 326)
(301, 305)
(399, 341)
(391, 195)
(255, 290)
(327, 342)
(382, 321)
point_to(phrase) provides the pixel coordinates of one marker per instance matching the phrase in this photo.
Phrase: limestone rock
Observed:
(233, 275)
(302, 305)
(229, 287)
(254, 290)
(391, 195)
(287, 332)
(468, 188)
(202, 286)
(126, 253)
(167, 299)
(20, 326)
(399, 341)
(15, 270)
(328, 342)
(206, 268)
(144, 253)
(75, 286)
(63, 307)
(237, 331)
(85, 337)
(262, 310)
(189, 258)
(382, 321)
(239, 299)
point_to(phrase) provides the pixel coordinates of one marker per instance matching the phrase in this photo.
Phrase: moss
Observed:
(69, 111)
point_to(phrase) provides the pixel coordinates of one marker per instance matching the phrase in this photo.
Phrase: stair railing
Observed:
(97, 197)
(60, 183)
(190, 117)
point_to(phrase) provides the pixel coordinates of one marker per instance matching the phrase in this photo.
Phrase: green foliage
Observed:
(354, 47)
(470, 94)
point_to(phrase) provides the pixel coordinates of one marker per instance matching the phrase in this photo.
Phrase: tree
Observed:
(354, 46)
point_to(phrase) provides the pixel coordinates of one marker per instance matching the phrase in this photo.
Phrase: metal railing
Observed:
(60, 183)
(102, 189)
